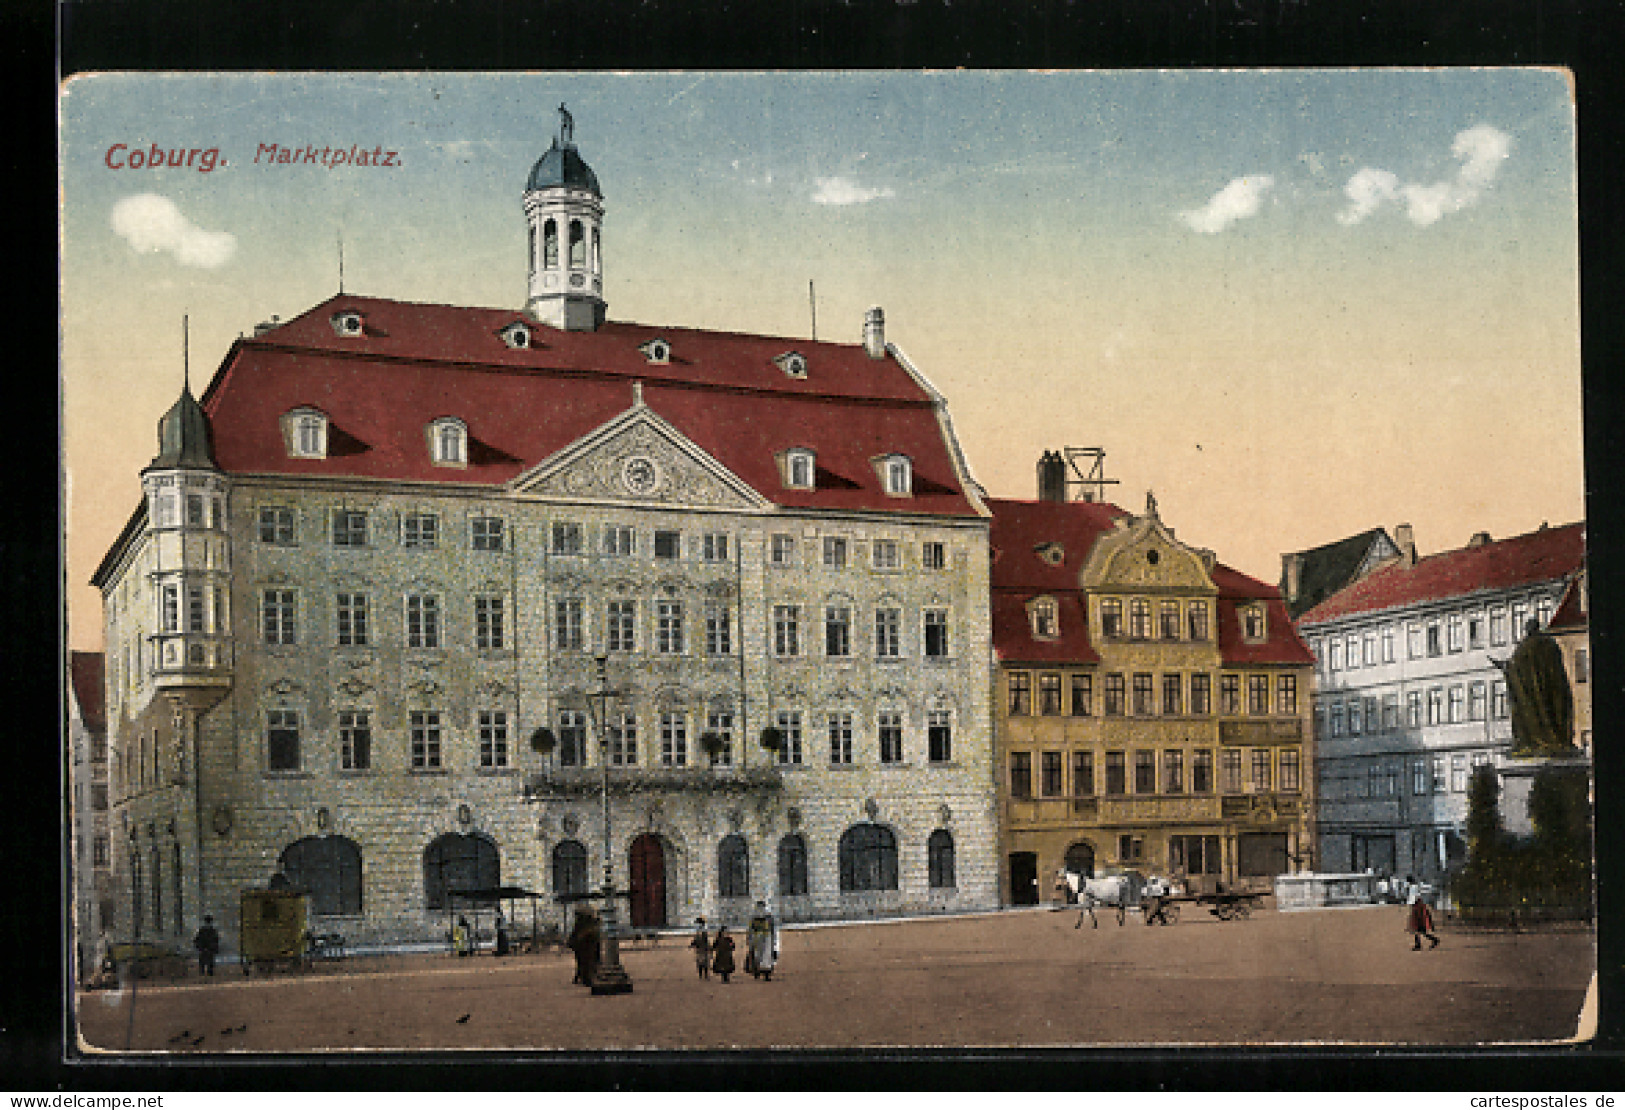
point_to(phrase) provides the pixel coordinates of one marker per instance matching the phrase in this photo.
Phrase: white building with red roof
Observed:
(1409, 694)
(1153, 712)
(353, 626)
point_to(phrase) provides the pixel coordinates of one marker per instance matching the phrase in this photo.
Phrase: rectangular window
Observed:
(720, 723)
(622, 732)
(1145, 772)
(1435, 705)
(1435, 639)
(1388, 639)
(1414, 641)
(1230, 770)
(1419, 776)
(568, 627)
(1262, 762)
(1286, 695)
(277, 616)
(1338, 718)
(100, 856)
(572, 738)
(1368, 649)
(1498, 699)
(196, 614)
(837, 631)
(1111, 618)
(566, 538)
(939, 736)
(1082, 695)
(786, 630)
(420, 530)
(718, 629)
(1352, 652)
(349, 528)
(1201, 694)
(1498, 627)
(1019, 685)
(422, 621)
(835, 551)
(493, 728)
(1196, 620)
(673, 740)
(1173, 772)
(1356, 717)
(1258, 694)
(620, 627)
(1455, 632)
(487, 533)
(933, 555)
(194, 510)
(1051, 777)
(1114, 695)
(888, 633)
(714, 547)
(669, 627)
(1143, 705)
(620, 541)
(425, 736)
(1458, 704)
(790, 725)
(1168, 620)
(1390, 712)
(1334, 655)
(1049, 695)
(1582, 665)
(355, 740)
(668, 544)
(1083, 774)
(781, 549)
(1202, 772)
(1130, 847)
(281, 740)
(276, 525)
(936, 633)
(1458, 774)
(98, 797)
(1173, 695)
(1116, 774)
(883, 555)
(889, 730)
(840, 738)
(1021, 775)
(1413, 709)
(490, 627)
(1475, 630)
(1139, 619)
(351, 612)
(1229, 694)
(1438, 774)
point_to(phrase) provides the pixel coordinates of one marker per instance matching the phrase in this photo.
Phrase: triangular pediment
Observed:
(638, 458)
(1143, 555)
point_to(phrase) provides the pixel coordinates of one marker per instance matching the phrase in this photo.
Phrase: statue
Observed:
(567, 127)
(1542, 703)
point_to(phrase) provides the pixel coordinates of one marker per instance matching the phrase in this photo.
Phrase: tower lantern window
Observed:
(578, 244)
(550, 244)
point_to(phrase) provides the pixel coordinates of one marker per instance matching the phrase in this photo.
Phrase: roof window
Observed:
(347, 323)
(798, 466)
(896, 475)
(516, 335)
(304, 433)
(448, 442)
(657, 351)
(793, 363)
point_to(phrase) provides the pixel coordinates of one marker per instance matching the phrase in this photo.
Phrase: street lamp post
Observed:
(611, 977)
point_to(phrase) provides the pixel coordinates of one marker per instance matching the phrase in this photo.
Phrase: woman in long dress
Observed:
(763, 939)
(722, 953)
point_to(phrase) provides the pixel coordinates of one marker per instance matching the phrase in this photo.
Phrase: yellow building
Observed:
(1153, 706)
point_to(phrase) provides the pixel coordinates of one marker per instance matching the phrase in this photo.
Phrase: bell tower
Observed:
(565, 212)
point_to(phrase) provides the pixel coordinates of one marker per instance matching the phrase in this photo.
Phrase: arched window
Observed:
(578, 245)
(533, 258)
(328, 869)
(570, 867)
(550, 244)
(596, 257)
(868, 856)
(792, 866)
(448, 442)
(1080, 860)
(459, 862)
(733, 867)
(939, 852)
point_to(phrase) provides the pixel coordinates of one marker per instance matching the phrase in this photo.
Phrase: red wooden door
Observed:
(648, 870)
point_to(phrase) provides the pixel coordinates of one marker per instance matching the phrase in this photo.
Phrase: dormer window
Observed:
(1045, 616)
(346, 323)
(1052, 553)
(896, 475)
(516, 335)
(793, 363)
(1254, 628)
(657, 351)
(448, 442)
(304, 433)
(799, 465)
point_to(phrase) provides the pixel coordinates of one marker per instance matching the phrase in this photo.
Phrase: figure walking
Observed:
(584, 943)
(1420, 923)
(503, 944)
(702, 949)
(763, 939)
(207, 943)
(722, 960)
(1156, 901)
(460, 940)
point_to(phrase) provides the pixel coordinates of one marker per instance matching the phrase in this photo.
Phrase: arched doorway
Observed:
(648, 882)
(1080, 859)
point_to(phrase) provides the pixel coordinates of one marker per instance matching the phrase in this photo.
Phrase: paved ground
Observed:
(1016, 979)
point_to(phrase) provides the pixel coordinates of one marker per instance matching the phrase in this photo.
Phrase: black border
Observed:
(416, 35)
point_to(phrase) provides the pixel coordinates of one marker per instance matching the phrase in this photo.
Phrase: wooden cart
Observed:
(271, 929)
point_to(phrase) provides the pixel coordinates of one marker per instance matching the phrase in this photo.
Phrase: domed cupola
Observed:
(565, 211)
(184, 437)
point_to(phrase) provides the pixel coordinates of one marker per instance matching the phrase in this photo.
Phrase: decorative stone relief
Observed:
(282, 687)
(640, 461)
(493, 690)
(353, 687)
(426, 687)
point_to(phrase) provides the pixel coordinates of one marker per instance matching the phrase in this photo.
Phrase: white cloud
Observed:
(1481, 150)
(1236, 201)
(151, 223)
(843, 190)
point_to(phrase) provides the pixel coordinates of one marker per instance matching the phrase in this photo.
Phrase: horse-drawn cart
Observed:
(272, 929)
(1230, 905)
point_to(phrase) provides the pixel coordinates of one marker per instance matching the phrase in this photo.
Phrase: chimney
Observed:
(874, 333)
(1479, 540)
(1291, 575)
(1051, 477)
(1406, 541)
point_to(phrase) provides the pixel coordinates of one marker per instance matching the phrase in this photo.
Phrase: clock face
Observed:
(640, 475)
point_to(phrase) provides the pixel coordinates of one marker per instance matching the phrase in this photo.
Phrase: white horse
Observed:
(1111, 890)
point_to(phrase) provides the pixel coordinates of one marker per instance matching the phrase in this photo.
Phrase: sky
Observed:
(1294, 305)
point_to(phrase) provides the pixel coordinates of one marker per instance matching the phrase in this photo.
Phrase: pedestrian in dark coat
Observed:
(503, 944)
(722, 960)
(207, 943)
(1420, 923)
(584, 943)
(702, 949)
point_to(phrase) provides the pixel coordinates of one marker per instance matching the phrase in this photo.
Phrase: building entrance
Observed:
(1024, 878)
(1080, 860)
(648, 882)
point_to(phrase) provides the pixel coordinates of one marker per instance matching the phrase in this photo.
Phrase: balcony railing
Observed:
(645, 780)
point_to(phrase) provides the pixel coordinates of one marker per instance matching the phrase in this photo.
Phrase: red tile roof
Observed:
(85, 678)
(417, 362)
(1019, 574)
(1540, 556)
(1570, 613)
